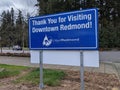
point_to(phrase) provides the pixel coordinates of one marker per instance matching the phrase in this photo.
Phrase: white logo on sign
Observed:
(46, 41)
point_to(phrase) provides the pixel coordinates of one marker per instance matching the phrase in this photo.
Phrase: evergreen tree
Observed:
(3, 27)
(6, 28)
(19, 28)
(12, 17)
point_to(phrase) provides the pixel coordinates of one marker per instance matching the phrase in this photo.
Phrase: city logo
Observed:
(47, 41)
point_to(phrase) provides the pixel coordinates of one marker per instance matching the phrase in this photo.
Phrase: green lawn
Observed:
(51, 77)
(10, 70)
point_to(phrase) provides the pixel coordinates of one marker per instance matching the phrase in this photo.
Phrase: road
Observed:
(24, 61)
(110, 56)
(105, 56)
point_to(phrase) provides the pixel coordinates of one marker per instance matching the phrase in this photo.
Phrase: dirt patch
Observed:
(93, 81)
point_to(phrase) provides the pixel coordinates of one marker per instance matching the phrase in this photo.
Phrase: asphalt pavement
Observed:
(110, 56)
(105, 56)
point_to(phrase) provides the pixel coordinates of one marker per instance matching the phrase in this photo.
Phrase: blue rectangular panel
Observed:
(71, 30)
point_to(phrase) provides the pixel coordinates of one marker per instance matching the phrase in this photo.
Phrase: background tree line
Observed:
(14, 29)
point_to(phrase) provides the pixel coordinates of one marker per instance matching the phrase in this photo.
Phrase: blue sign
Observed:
(77, 30)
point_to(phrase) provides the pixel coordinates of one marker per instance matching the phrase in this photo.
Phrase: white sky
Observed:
(23, 5)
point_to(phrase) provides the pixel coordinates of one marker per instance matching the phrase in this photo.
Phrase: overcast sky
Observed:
(23, 5)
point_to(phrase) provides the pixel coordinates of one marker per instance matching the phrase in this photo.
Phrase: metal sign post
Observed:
(41, 70)
(82, 70)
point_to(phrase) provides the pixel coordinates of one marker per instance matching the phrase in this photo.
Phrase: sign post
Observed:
(77, 30)
(41, 70)
(82, 70)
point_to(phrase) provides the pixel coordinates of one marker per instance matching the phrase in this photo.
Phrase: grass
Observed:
(13, 67)
(51, 77)
(5, 74)
(10, 70)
